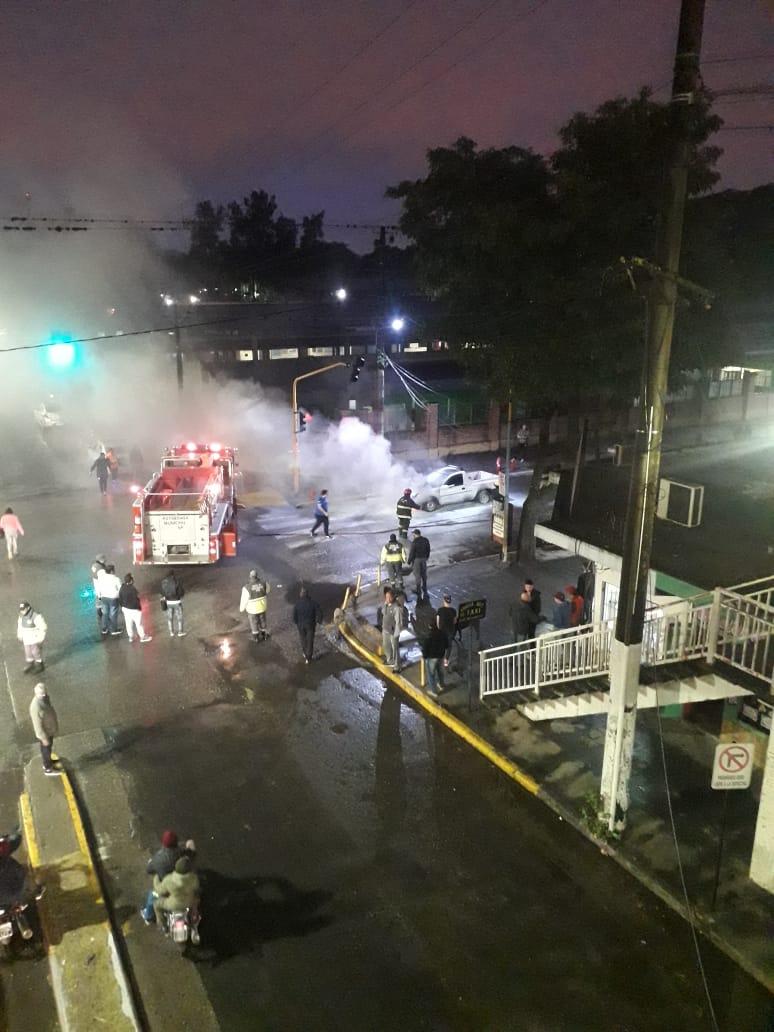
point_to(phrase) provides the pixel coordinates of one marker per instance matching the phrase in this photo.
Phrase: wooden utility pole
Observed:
(643, 487)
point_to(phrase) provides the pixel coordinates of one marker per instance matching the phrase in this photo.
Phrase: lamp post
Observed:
(397, 325)
(172, 303)
(296, 465)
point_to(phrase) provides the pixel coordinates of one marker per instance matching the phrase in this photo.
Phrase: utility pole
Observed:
(643, 487)
(507, 484)
(178, 349)
(295, 464)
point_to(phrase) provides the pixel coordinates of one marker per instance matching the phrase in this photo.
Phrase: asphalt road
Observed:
(363, 870)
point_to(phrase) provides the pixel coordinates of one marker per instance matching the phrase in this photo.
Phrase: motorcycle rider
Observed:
(163, 863)
(393, 556)
(253, 602)
(403, 511)
(180, 890)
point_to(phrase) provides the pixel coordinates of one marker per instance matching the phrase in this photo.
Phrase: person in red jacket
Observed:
(576, 605)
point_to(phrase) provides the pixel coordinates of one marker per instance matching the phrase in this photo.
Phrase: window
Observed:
(319, 352)
(455, 481)
(283, 353)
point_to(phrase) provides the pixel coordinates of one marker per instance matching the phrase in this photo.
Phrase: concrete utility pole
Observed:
(643, 488)
(507, 485)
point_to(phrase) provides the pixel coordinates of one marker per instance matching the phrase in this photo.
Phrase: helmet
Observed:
(24, 606)
(100, 558)
(393, 537)
(407, 491)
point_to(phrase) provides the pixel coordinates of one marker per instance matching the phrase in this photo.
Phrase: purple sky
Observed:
(144, 107)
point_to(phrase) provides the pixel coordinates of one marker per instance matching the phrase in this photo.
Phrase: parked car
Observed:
(451, 484)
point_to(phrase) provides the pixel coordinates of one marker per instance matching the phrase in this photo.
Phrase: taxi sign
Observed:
(733, 765)
(469, 612)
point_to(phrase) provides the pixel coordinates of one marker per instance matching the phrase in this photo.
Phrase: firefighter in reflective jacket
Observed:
(253, 602)
(393, 557)
(403, 511)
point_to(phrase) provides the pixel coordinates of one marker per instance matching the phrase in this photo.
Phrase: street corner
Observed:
(88, 979)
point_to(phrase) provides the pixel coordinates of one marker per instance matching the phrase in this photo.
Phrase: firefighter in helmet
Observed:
(393, 557)
(403, 510)
(253, 602)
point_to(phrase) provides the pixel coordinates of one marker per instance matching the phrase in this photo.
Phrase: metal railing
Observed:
(735, 627)
(744, 628)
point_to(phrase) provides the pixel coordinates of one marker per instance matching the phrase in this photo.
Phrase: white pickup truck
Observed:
(451, 484)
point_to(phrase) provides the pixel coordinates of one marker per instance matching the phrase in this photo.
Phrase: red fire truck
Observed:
(187, 512)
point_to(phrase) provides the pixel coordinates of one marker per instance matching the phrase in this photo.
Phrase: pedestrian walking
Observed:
(392, 557)
(523, 618)
(394, 621)
(446, 619)
(404, 510)
(109, 587)
(433, 652)
(321, 513)
(31, 631)
(254, 602)
(172, 592)
(306, 616)
(99, 564)
(10, 525)
(522, 440)
(101, 466)
(535, 598)
(418, 555)
(45, 725)
(129, 601)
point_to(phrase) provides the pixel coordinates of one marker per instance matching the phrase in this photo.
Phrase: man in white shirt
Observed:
(109, 587)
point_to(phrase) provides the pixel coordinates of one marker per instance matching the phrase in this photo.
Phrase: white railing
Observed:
(745, 629)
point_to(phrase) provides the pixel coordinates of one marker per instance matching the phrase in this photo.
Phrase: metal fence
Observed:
(744, 632)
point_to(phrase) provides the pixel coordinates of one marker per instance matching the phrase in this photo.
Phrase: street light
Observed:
(341, 294)
(397, 324)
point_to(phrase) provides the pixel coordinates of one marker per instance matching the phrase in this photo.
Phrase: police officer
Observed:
(253, 602)
(403, 511)
(393, 557)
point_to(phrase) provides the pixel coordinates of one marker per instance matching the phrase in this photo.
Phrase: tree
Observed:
(206, 233)
(525, 252)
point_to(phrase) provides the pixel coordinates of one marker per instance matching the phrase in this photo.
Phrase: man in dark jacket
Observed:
(160, 865)
(306, 615)
(534, 596)
(418, 555)
(523, 618)
(101, 466)
(433, 651)
(172, 592)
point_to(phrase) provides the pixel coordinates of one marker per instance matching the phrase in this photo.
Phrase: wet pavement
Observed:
(362, 869)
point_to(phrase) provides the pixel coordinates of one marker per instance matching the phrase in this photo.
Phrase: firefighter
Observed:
(102, 468)
(403, 511)
(253, 602)
(393, 557)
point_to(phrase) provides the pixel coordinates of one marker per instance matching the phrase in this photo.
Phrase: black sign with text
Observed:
(470, 612)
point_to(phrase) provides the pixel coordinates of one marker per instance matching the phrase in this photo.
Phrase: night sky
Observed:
(142, 108)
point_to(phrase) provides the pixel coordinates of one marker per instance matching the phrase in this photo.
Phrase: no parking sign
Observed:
(733, 765)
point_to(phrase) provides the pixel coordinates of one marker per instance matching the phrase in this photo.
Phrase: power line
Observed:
(427, 54)
(745, 128)
(303, 101)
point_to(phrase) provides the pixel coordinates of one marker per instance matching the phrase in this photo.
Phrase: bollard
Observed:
(357, 585)
(422, 672)
(346, 598)
(379, 576)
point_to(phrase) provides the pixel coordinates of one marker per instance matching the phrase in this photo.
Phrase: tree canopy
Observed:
(524, 250)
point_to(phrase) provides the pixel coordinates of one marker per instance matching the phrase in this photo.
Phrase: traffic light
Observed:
(303, 418)
(61, 354)
(357, 365)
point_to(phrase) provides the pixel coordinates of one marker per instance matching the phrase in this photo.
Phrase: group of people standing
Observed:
(435, 631)
(113, 595)
(569, 609)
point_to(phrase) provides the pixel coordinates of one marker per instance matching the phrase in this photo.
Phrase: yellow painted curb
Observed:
(448, 719)
(29, 831)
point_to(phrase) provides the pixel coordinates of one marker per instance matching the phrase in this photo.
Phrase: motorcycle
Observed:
(181, 926)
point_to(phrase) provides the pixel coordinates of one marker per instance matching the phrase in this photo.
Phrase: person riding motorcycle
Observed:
(179, 891)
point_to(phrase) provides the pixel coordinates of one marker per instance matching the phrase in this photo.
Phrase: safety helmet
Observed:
(24, 606)
(407, 491)
(393, 537)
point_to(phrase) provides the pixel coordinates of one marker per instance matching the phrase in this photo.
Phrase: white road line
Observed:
(8, 682)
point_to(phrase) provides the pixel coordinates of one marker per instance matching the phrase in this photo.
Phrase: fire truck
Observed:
(187, 512)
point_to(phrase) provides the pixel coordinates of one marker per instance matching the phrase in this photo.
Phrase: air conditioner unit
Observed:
(680, 503)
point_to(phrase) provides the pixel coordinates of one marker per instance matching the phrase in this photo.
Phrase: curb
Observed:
(130, 1005)
(513, 771)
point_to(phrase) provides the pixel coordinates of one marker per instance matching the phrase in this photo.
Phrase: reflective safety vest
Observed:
(393, 552)
(256, 597)
(404, 508)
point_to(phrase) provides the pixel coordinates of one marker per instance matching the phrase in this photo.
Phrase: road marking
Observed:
(33, 852)
(8, 681)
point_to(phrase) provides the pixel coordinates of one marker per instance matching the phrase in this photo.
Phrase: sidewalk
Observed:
(562, 759)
